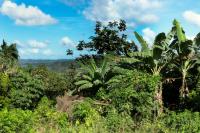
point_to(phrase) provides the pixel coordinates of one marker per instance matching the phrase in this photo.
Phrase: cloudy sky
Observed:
(44, 29)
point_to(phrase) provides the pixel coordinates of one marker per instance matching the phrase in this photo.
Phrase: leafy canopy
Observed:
(109, 38)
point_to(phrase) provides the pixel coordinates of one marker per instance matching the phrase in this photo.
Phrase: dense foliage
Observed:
(110, 38)
(119, 89)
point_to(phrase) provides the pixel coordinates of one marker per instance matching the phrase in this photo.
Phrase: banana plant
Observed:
(92, 77)
(157, 57)
(185, 55)
(153, 59)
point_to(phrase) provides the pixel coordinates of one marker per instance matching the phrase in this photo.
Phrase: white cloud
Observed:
(33, 50)
(28, 51)
(22, 52)
(140, 11)
(48, 52)
(131, 25)
(192, 17)
(191, 37)
(149, 18)
(67, 41)
(19, 43)
(149, 35)
(34, 47)
(72, 2)
(37, 44)
(26, 15)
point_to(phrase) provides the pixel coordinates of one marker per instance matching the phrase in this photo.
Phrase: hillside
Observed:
(54, 65)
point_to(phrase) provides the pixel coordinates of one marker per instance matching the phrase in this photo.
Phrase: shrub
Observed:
(4, 83)
(25, 91)
(193, 100)
(183, 122)
(133, 93)
(49, 119)
(116, 122)
(17, 120)
(55, 84)
(149, 126)
(87, 118)
(44, 119)
(84, 111)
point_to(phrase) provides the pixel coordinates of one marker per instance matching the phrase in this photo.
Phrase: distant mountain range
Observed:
(55, 65)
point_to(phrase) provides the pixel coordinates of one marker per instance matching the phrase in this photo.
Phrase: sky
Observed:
(45, 29)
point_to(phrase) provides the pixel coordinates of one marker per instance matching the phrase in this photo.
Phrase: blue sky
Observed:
(44, 29)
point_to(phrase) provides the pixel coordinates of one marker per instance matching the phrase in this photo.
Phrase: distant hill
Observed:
(55, 65)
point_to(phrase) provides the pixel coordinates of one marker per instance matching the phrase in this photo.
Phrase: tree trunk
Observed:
(158, 94)
(184, 89)
(159, 100)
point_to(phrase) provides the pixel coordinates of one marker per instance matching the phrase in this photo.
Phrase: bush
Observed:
(4, 84)
(183, 122)
(116, 122)
(25, 91)
(55, 84)
(84, 112)
(193, 101)
(17, 120)
(133, 93)
(87, 118)
(49, 119)
(44, 119)
(149, 126)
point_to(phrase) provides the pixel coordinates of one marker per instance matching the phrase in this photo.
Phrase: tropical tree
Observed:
(185, 55)
(92, 77)
(8, 55)
(109, 38)
(9, 51)
(154, 59)
(69, 52)
(157, 57)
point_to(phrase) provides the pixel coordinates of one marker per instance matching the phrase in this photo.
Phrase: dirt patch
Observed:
(66, 103)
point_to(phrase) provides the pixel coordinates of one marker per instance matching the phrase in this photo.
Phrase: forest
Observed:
(126, 87)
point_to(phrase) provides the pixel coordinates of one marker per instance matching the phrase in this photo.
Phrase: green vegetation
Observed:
(121, 89)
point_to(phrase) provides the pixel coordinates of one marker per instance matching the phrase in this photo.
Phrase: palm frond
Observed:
(141, 54)
(180, 34)
(81, 82)
(129, 60)
(86, 77)
(104, 67)
(142, 42)
(158, 46)
(169, 38)
(85, 86)
(97, 82)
